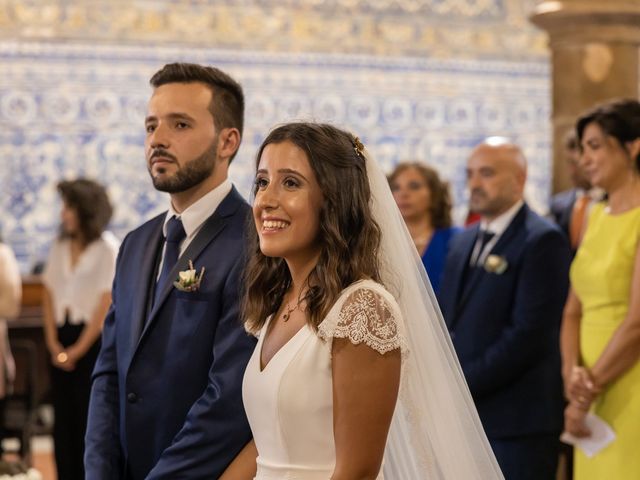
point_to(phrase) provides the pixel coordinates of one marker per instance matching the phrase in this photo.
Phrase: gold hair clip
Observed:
(358, 147)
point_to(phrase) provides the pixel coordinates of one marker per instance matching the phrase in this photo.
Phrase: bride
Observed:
(353, 376)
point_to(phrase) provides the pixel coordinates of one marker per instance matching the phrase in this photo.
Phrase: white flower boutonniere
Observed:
(189, 280)
(496, 264)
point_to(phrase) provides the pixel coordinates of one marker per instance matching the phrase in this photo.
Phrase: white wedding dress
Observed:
(435, 432)
(290, 402)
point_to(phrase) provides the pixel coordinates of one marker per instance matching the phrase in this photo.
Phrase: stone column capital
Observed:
(584, 21)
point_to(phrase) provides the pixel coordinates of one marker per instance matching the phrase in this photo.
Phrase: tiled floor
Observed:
(43, 461)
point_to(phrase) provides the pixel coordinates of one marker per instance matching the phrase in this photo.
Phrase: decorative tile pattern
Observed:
(78, 109)
(441, 28)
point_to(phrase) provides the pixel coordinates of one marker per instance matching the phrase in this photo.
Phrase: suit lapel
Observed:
(460, 268)
(209, 231)
(511, 230)
(473, 277)
(477, 273)
(147, 279)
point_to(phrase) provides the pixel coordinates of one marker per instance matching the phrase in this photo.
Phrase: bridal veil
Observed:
(435, 433)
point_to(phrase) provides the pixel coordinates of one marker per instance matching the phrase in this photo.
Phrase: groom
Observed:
(166, 398)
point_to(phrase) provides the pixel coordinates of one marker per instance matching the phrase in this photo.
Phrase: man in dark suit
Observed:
(502, 296)
(166, 398)
(568, 214)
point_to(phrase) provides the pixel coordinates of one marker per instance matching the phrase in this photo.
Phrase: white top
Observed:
(78, 290)
(10, 296)
(289, 404)
(10, 283)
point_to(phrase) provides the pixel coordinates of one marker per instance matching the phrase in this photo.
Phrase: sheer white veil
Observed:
(435, 433)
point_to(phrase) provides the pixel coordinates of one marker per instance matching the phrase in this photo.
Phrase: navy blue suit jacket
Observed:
(561, 208)
(505, 327)
(166, 398)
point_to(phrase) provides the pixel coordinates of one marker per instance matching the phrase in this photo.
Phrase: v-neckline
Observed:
(262, 367)
(72, 268)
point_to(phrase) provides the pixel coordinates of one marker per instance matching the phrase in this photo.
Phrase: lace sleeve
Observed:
(366, 317)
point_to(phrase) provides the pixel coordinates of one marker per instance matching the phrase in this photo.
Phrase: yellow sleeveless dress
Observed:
(601, 276)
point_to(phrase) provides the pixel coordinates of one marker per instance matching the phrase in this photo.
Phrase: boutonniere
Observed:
(496, 264)
(189, 280)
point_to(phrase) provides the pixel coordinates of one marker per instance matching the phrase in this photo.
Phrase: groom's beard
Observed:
(188, 176)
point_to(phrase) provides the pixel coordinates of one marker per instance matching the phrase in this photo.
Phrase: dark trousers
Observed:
(71, 405)
(533, 457)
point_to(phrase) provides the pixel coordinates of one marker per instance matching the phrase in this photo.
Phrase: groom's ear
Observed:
(228, 143)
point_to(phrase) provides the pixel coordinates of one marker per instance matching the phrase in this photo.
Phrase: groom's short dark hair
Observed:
(227, 104)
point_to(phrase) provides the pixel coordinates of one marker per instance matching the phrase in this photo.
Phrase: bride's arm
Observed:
(365, 390)
(243, 467)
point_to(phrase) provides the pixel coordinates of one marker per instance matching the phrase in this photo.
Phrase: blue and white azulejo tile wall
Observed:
(71, 109)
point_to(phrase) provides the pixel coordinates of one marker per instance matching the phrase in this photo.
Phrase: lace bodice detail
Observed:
(365, 313)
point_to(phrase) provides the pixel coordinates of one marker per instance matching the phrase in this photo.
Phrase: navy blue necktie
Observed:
(485, 237)
(175, 234)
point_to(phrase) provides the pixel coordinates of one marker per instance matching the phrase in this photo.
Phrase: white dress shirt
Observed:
(194, 217)
(497, 226)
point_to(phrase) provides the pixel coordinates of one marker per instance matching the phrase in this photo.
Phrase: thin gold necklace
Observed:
(289, 309)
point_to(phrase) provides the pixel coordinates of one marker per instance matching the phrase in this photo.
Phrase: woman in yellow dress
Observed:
(600, 335)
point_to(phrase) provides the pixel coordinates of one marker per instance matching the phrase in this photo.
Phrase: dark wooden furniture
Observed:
(28, 326)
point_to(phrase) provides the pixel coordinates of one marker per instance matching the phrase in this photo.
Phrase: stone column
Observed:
(595, 57)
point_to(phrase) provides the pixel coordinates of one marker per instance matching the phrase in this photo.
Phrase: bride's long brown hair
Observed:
(349, 236)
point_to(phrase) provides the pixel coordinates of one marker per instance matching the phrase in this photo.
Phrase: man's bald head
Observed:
(507, 154)
(496, 176)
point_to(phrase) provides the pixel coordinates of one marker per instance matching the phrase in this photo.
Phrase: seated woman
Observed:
(425, 203)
